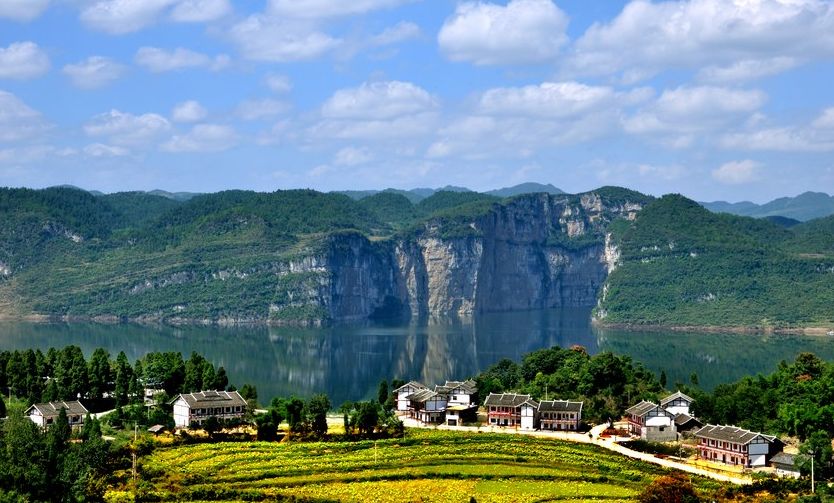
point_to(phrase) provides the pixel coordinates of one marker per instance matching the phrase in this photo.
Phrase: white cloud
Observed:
(200, 11)
(23, 60)
(329, 8)
(749, 69)
(261, 38)
(647, 38)
(780, 139)
(94, 72)
(522, 32)
(22, 10)
(737, 172)
(189, 111)
(352, 156)
(125, 129)
(203, 138)
(825, 120)
(378, 100)
(159, 60)
(694, 109)
(278, 83)
(400, 32)
(100, 150)
(17, 120)
(252, 110)
(550, 99)
(118, 17)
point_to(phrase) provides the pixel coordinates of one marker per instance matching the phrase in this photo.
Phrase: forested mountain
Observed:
(804, 207)
(302, 256)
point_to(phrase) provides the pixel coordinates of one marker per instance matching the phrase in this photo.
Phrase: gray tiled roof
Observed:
(506, 400)
(730, 434)
(642, 408)
(422, 395)
(467, 386)
(560, 406)
(210, 399)
(675, 396)
(52, 409)
(682, 419)
(413, 384)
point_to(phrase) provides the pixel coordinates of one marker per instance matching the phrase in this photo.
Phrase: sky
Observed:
(715, 99)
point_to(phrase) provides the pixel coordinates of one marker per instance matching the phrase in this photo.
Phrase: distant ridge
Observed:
(804, 207)
(420, 193)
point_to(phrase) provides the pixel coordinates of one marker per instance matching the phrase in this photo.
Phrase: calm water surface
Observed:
(347, 362)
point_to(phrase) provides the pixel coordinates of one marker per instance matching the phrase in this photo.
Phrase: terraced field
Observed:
(424, 466)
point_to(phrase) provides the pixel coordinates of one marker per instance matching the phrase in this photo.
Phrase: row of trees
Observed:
(65, 374)
(607, 383)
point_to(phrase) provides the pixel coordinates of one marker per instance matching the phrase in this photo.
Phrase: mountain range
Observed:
(302, 256)
(804, 207)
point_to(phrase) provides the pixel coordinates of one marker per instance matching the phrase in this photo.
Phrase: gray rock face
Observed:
(534, 252)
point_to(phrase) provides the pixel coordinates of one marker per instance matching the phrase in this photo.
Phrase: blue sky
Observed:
(715, 99)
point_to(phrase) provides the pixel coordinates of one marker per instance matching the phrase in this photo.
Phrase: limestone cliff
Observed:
(532, 252)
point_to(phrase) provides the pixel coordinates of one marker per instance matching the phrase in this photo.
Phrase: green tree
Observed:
(2, 407)
(317, 408)
(211, 426)
(221, 380)
(22, 459)
(663, 379)
(99, 373)
(818, 445)
(382, 392)
(368, 417)
(194, 373)
(295, 413)
(249, 392)
(124, 377)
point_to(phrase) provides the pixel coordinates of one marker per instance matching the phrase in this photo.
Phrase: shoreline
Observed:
(716, 329)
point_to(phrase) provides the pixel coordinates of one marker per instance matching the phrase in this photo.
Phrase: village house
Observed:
(734, 446)
(194, 408)
(404, 391)
(687, 424)
(678, 403)
(509, 409)
(786, 465)
(651, 422)
(427, 406)
(461, 401)
(44, 414)
(559, 415)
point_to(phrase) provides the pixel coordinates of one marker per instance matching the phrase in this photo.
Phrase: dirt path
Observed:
(593, 437)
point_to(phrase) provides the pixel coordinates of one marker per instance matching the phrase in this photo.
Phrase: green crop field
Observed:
(424, 466)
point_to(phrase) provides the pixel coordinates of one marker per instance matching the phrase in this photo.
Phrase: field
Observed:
(424, 466)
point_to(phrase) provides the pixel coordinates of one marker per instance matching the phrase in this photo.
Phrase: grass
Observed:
(424, 466)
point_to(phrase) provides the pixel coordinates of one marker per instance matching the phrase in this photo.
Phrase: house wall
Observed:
(659, 433)
(528, 418)
(678, 407)
(182, 418)
(758, 454)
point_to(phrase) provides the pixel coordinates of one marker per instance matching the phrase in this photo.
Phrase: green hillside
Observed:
(682, 265)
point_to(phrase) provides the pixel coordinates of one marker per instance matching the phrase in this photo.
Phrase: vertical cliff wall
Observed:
(533, 252)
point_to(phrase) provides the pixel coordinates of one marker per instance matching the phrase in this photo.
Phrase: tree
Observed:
(221, 380)
(669, 489)
(124, 376)
(249, 392)
(295, 413)
(99, 373)
(693, 378)
(663, 379)
(2, 407)
(818, 445)
(368, 417)
(382, 392)
(194, 373)
(212, 426)
(317, 408)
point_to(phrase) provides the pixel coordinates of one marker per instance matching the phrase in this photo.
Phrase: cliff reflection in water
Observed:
(347, 362)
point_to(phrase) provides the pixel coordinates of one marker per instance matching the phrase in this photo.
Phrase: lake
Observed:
(348, 361)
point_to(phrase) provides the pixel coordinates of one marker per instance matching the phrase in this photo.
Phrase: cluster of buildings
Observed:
(521, 411)
(453, 403)
(721, 444)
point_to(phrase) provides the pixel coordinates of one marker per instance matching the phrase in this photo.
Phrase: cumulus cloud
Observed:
(352, 156)
(23, 60)
(203, 138)
(737, 172)
(99, 150)
(94, 72)
(278, 83)
(200, 11)
(189, 111)
(400, 32)
(329, 8)
(825, 120)
(694, 109)
(252, 110)
(158, 60)
(737, 35)
(17, 120)
(22, 10)
(377, 111)
(749, 69)
(264, 38)
(552, 99)
(522, 32)
(125, 129)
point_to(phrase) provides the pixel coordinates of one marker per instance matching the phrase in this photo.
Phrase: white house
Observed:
(461, 403)
(195, 408)
(529, 414)
(560, 415)
(404, 391)
(504, 409)
(677, 403)
(651, 422)
(44, 414)
(427, 406)
(786, 466)
(735, 446)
